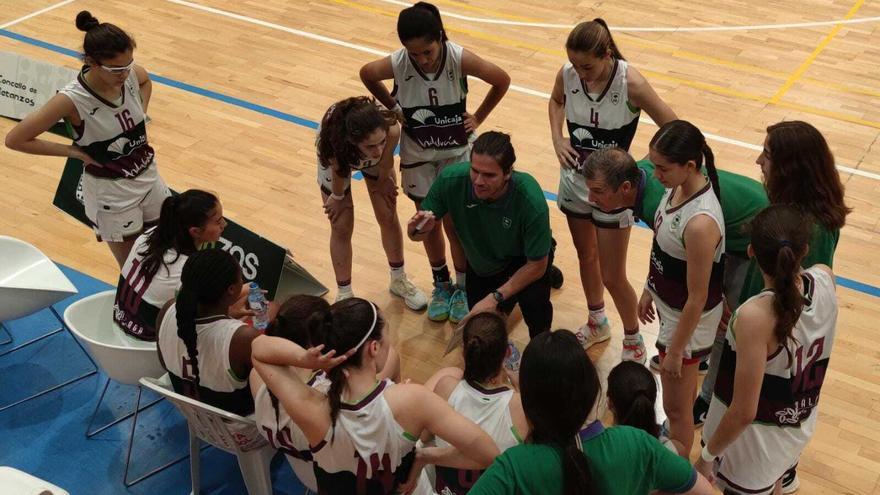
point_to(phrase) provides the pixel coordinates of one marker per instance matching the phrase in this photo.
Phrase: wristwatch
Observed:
(499, 297)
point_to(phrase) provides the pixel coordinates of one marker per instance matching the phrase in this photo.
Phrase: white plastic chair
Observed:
(124, 359)
(15, 482)
(226, 431)
(30, 282)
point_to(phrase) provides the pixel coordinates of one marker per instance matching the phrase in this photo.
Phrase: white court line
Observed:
(34, 14)
(648, 29)
(519, 89)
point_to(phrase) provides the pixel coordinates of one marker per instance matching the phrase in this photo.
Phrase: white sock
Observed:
(344, 290)
(460, 279)
(597, 316)
(397, 273)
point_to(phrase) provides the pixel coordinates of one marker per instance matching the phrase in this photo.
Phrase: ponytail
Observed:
(192, 208)
(422, 20)
(679, 141)
(593, 37)
(346, 325)
(788, 301)
(485, 345)
(780, 237)
(556, 408)
(576, 476)
(711, 171)
(632, 391)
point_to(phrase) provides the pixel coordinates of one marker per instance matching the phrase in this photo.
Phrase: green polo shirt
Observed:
(493, 233)
(623, 461)
(823, 243)
(741, 199)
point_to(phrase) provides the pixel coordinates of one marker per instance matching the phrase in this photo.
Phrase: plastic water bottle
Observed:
(511, 362)
(258, 304)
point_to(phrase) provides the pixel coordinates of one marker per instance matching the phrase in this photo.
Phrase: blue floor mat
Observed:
(46, 436)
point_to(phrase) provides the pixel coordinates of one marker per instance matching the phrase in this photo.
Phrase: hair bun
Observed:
(85, 21)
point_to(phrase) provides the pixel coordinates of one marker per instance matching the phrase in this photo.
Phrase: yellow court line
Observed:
(626, 39)
(793, 78)
(712, 88)
(472, 8)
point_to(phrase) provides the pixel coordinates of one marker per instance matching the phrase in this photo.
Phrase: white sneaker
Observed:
(591, 334)
(341, 296)
(414, 298)
(634, 349)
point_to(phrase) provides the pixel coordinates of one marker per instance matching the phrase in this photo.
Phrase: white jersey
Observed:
(138, 298)
(490, 410)
(667, 276)
(433, 105)
(284, 435)
(603, 119)
(218, 385)
(114, 134)
(787, 407)
(368, 452)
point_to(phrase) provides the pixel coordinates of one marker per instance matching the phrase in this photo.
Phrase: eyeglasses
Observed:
(118, 70)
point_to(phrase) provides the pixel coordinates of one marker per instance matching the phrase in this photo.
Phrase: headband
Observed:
(370, 331)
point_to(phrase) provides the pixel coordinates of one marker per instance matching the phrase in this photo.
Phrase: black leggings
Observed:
(534, 299)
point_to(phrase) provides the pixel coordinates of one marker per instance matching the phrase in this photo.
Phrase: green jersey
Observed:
(823, 243)
(741, 199)
(493, 233)
(623, 461)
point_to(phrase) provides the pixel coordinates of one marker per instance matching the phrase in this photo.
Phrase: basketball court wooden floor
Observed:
(239, 86)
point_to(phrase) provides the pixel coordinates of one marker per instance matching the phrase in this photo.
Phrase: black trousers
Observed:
(533, 300)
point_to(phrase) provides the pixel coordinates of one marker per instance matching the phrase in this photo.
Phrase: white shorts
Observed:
(118, 208)
(574, 200)
(703, 336)
(325, 177)
(416, 178)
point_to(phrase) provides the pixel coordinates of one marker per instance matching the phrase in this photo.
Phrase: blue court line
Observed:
(842, 281)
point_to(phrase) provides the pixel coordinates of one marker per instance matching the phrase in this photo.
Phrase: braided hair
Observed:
(484, 345)
(206, 277)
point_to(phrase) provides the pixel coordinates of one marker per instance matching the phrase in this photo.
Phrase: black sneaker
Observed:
(701, 409)
(790, 481)
(556, 277)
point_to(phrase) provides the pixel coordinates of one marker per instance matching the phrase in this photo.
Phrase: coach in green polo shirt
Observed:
(503, 224)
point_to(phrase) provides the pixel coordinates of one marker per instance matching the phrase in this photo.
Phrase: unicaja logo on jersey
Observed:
(422, 116)
(582, 135)
(124, 146)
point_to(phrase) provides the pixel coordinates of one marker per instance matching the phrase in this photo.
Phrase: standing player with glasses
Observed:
(105, 109)
(599, 96)
(355, 135)
(429, 96)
